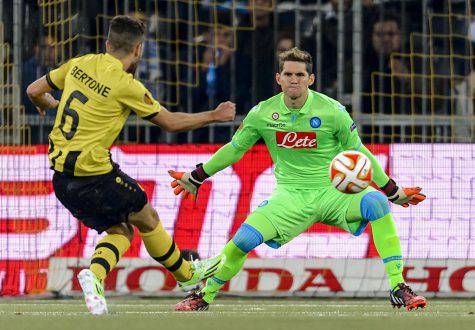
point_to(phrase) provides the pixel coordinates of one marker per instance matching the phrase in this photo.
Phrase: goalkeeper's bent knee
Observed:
(247, 238)
(374, 205)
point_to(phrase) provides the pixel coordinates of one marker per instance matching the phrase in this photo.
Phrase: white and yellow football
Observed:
(351, 172)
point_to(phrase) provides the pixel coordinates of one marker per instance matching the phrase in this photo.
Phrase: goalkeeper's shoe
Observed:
(403, 295)
(93, 292)
(193, 303)
(202, 269)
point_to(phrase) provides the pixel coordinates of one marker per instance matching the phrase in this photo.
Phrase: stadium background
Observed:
(404, 69)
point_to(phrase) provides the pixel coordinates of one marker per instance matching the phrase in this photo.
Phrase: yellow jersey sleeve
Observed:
(137, 98)
(57, 76)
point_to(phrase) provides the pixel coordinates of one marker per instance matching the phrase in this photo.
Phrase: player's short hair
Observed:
(125, 33)
(296, 55)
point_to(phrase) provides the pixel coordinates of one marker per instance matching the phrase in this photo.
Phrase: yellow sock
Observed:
(107, 254)
(163, 249)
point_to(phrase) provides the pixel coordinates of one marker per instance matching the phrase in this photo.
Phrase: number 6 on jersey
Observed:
(351, 172)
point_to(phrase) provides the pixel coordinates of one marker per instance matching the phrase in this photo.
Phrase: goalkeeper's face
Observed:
(294, 79)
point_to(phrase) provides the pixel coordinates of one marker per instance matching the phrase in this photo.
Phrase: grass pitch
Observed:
(242, 314)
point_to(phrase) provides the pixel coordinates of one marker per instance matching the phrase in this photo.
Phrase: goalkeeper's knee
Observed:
(374, 205)
(247, 238)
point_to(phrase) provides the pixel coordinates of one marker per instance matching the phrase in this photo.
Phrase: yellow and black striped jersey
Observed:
(98, 96)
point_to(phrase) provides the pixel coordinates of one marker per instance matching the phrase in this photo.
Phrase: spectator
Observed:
(259, 45)
(385, 40)
(285, 42)
(215, 85)
(42, 60)
(149, 71)
(329, 51)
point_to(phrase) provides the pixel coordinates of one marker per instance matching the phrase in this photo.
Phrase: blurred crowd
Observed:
(240, 64)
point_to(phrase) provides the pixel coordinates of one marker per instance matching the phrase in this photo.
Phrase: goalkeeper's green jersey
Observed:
(301, 142)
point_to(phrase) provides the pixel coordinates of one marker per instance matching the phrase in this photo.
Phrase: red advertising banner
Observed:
(35, 227)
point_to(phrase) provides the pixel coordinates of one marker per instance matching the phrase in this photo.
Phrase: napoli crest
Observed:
(275, 116)
(263, 203)
(315, 122)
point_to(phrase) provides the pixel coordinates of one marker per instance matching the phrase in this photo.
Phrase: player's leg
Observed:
(373, 207)
(163, 249)
(110, 249)
(254, 231)
(106, 255)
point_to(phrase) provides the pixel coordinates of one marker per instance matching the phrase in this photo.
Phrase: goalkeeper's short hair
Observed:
(296, 55)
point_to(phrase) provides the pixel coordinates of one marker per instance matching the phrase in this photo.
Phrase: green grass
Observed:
(242, 314)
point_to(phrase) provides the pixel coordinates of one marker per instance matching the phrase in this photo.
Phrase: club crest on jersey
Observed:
(296, 140)
(315, 122)
(275, 116)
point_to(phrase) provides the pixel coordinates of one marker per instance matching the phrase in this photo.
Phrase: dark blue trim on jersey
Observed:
(388, 259)
(50, 82)
(273, 244)
(217, 280)
(150, 116)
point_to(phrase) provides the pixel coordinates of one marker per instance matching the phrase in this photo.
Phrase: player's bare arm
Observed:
(39, 94)
(181, 121)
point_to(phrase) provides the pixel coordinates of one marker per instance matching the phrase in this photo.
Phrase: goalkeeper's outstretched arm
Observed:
(190, 182)
(224, 157)
(244, 138)
(348, 136)
(379, 176)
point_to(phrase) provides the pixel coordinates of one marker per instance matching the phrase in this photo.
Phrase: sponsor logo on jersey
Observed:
(315, 122)
(276, 125)
(296, 140)
(352, 127)
(275, 116)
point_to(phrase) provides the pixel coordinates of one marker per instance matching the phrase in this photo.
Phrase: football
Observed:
(351, 172)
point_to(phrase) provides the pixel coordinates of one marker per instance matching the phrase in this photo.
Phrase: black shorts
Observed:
(100, 201)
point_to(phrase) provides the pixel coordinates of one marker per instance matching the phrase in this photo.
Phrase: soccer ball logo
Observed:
(351, 172)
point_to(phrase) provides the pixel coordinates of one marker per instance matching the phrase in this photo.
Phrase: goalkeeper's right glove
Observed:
(402, 196)
(189, 182)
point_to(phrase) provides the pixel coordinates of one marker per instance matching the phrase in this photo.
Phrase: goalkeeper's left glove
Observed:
(402, 196)
(189, 182)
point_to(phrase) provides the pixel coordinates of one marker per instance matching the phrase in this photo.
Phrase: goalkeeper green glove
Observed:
(189, 182)
(402, 196)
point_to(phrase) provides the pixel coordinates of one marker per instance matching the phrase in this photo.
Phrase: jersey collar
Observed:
(114, 61)
(304, 110)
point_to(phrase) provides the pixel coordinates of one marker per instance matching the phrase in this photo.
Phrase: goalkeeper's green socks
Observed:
(235, 258)
(387, 243)
(107, 254)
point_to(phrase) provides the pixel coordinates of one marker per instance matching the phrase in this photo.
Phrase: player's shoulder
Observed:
(322, 100)
(128, 84)
(267, 105)
(83, 58)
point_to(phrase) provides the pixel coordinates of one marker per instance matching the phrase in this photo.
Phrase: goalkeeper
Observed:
(303, 131)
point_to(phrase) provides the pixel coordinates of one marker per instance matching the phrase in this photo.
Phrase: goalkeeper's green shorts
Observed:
(291, 211)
